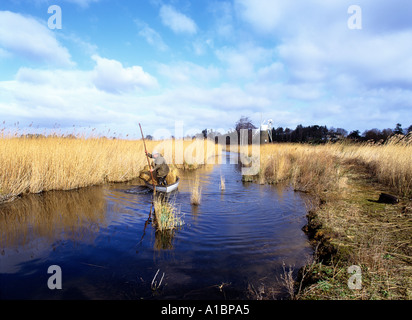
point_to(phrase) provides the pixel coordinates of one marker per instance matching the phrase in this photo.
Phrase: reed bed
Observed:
(390, 163)
(307, 168)
(31, 164)
(318, 168)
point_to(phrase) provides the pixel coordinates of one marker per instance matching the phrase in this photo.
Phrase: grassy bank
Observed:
(34, 165)
(346, 223)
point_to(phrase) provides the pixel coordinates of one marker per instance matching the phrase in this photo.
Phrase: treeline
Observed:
(321, 134)
(311, 134)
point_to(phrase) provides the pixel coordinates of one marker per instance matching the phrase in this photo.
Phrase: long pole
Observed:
(148, 161)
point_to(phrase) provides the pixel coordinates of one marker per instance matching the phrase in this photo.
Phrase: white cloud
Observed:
(108, 75)
(294, 62)
(111, 76)
(224, 19)
(23, 36)
(104, 95)
(241, 62)
(55, 79)
(185, 72)
(177, 21)
(263, 15)
(82, 3)
(151, 36)
(324, 72)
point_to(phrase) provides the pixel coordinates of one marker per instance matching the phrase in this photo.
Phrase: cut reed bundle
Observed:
(167, 215)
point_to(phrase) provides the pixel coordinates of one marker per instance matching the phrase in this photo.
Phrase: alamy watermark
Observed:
(355, 20)
(55, 280)
(355, 280)
(55, 20)
(245, 146)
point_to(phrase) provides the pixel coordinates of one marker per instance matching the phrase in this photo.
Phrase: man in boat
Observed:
(160, 168)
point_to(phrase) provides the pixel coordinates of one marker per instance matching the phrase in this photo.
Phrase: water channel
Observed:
(232, 246)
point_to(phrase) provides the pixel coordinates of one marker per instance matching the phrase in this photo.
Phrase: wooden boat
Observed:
(166, 189)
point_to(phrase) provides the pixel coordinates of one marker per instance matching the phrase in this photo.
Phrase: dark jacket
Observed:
(160, 166)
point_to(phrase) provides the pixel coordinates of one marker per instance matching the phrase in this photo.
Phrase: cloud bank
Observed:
(296, 63)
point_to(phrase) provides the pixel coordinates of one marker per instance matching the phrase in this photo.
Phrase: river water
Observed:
(234, 245)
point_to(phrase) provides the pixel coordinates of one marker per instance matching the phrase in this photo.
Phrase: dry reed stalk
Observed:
(288, 281)
(196, 193)
(222, 183)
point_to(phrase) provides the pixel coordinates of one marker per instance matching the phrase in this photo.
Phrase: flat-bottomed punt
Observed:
(166, 189)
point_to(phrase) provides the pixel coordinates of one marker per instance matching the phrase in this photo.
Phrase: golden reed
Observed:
(320, 167)
(34, 165)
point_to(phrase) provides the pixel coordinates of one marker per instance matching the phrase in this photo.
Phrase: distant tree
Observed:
(398, 129)
(372, 134)
(297, 134)
(287, 135)
(277, 134)
(149, 137)
(386, 133)
(354, 135)
(204, 132)
(245, 123)
(342, 132)
(336, 134)
(410, 128)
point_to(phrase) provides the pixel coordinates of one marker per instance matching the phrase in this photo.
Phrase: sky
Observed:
(108, 65)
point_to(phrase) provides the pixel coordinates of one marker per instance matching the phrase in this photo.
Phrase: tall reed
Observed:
(196, 193)
(222, 183)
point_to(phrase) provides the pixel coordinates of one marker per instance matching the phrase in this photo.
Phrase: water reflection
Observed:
(52, 216)
(164, 240)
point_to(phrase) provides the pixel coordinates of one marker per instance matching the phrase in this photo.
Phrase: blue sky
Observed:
(114, 64)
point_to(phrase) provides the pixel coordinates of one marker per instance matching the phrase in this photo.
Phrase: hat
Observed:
(155, 152)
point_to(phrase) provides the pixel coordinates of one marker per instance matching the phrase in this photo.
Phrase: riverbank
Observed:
(354, 229)
(346, 224)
